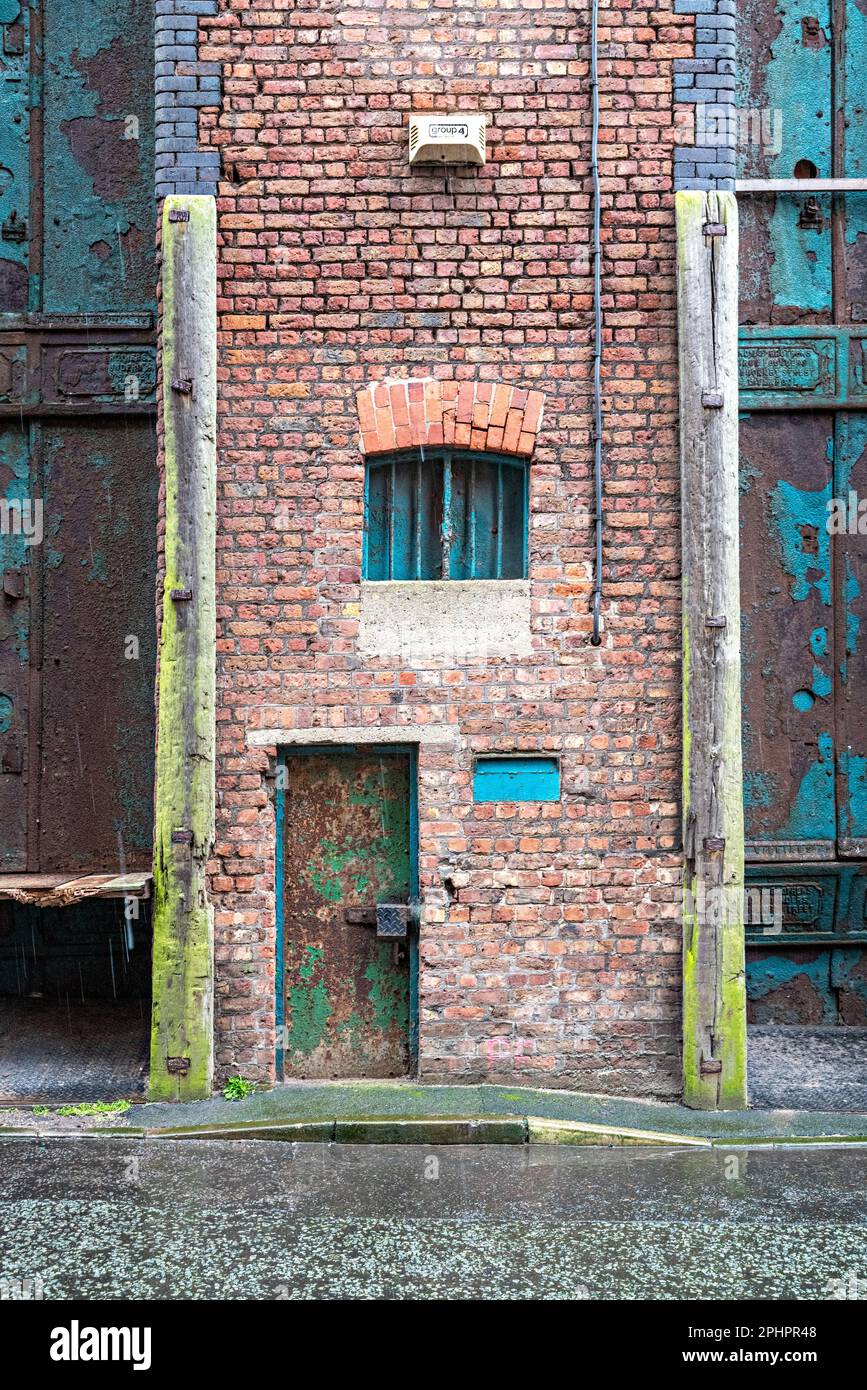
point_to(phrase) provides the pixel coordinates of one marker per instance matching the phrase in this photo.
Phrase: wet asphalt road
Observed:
(106, 1219)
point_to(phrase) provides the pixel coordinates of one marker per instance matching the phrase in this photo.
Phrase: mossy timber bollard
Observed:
(714, 997)
(183, 946)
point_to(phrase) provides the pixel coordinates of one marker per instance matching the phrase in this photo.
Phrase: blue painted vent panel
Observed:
(516, 779)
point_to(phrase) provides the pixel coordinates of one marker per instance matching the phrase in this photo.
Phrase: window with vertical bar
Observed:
(445, 514)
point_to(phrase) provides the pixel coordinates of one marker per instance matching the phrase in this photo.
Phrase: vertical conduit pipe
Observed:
(596, 639)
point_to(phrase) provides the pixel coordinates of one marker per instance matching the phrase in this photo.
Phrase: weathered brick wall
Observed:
(551, 945)
(184, 84)
(704, 89)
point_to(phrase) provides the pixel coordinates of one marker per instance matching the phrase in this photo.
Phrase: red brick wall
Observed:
(551, 944)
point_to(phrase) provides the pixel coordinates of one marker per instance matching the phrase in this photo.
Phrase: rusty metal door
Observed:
(77, 440)
(804, 620)
(802, 113)
(346, 1005)
(799, 590)
(802, 108)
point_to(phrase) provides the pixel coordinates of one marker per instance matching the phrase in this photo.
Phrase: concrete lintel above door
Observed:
(354, 733)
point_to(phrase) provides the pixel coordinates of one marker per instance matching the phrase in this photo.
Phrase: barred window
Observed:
(445, 514)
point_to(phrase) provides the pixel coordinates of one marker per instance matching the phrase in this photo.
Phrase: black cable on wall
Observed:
(596, 639)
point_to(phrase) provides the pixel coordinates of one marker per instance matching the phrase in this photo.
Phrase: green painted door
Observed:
(78, 481)
(346, 846)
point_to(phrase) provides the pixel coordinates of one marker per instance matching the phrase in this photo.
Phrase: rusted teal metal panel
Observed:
(98, 199)
(801, 368)
(787, 634)
(20, 526)
(803, 387)
(804, 903)
(15, 148)
(822, 986)
(786, 114)
(77, 385)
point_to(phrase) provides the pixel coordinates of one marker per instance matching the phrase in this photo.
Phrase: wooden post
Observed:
(714, 998)
(183, 951)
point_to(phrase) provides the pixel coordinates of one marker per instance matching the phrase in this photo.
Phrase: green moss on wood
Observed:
(182, 1034)
(714, 1002)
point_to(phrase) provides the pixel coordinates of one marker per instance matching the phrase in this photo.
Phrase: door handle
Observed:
(393, 921)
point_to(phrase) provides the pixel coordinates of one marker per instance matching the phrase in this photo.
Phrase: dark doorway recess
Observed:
(74, 1002)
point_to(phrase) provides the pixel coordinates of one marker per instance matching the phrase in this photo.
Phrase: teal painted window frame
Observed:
(512, 777)
(434, 549)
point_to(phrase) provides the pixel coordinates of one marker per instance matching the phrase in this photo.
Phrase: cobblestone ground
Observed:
(110, 1219)
(808, 1068)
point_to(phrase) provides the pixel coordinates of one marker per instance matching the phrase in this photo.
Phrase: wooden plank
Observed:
(714, 1001)
(57, 890)
(183, 949)
(129, 885)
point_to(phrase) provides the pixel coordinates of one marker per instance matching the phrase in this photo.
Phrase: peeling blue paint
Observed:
(799, 517)
(759, 789)
(813, 811)
(853, 807)
(821, 683)
(772, 972)
(819, 641)
(98, 158)
(851, 592)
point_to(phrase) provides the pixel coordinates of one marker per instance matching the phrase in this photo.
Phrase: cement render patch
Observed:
(451, 620)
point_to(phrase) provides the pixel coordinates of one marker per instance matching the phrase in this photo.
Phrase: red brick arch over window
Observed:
(482, 415)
